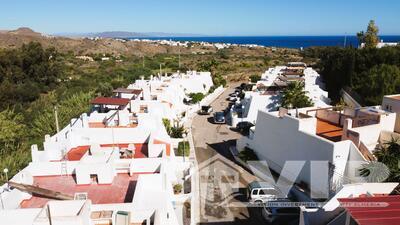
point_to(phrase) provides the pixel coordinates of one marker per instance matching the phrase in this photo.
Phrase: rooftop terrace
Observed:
(120, 191)
(75, 154)
(329, 130)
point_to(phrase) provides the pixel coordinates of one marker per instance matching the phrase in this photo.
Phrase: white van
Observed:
(261, 192)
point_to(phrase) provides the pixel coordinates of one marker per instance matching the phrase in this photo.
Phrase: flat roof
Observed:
(120, 191)
(110, 101)
(397, 97)
(329, 130)
(382, 210)
(75, 154)
(128, 91)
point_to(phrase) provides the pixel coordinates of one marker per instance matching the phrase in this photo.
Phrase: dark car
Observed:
(219, 117)
(244, 127)
(205, 110)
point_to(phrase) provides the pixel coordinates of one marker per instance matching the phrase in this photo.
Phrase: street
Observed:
(213, 141)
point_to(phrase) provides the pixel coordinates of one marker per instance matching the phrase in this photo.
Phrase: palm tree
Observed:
(389, 154)
(295, 96)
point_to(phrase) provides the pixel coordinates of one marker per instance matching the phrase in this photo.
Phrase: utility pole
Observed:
(56, 117)
(143, 61)
(345, 39)
(160, 70)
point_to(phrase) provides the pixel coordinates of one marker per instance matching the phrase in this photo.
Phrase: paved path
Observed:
(214, 140)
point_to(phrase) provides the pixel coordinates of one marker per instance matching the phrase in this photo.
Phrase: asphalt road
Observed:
(213, 141)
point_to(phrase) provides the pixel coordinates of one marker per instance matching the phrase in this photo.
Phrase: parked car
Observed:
(262, 192)
(219, 117)
(233, 98)
(244, 127)
(205, 110)
(233, 94)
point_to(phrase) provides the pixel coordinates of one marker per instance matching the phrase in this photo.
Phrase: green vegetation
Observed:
(183, 147)
(368, 72)
(389, 155)
(370, 37)
(254, 78)
(196, 97)
(294, 96)
(247, 155)
(33, 80)
(177, 131)
(177, 188)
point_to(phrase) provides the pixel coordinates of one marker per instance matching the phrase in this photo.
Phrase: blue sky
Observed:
(209, 17)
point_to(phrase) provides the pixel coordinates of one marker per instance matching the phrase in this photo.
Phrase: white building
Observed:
(114, 166)
(320, 134)
(267, 93)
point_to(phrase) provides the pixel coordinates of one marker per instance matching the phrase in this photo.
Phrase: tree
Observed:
(69, 108)
(361, 37)
(371, 36)
(378, 81)
(12, 129)
(294, 96)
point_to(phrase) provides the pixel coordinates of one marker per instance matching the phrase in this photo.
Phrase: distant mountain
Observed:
(24, 31)
(126, 34)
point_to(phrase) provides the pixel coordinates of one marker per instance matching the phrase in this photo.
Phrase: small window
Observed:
(254, 192)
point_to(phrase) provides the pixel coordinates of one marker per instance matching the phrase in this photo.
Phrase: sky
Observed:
(207, 17)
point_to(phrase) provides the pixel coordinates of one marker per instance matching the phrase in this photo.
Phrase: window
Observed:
(268, 192)
(254, 192)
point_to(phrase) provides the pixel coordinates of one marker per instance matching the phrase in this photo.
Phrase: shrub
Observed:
(196, 97)
(183, 145)
(247, 155)
(167, 125)
(178, 188)
(177, 131)
(255, 78)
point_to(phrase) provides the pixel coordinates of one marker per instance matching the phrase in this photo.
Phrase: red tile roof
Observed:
(120, 191)
(382, 210)
(110, 101)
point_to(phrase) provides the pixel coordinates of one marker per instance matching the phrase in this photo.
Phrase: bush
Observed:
(181, 146)
(255, 78)
(248, 155)
(196, 97)
(178, 188)
(167, 125)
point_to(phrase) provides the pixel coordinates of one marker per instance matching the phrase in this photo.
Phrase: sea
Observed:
(279, 41)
